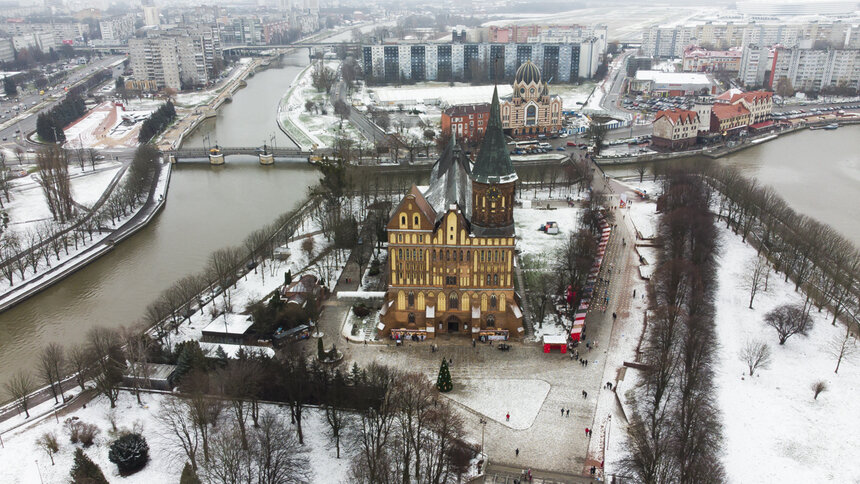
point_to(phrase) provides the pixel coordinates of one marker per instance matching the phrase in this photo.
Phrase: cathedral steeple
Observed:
(494, 162)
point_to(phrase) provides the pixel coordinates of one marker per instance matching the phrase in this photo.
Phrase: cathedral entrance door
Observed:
(453, 324)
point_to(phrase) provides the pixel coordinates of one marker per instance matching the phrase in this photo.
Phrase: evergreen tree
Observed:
(129, 452)
(188, 475)
(443, 383)
(221, 355)
(320, 350)
(85, 471)
(355, 374)
(9, 86)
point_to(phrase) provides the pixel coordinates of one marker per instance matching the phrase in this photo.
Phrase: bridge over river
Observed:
(198, 153)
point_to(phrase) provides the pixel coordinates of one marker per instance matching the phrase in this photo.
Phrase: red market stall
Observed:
(554, 341)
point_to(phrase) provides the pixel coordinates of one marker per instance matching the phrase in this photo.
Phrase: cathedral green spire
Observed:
(494, 162)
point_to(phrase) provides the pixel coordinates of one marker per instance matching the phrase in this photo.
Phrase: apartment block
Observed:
(177, 58)
(562, 62)
(117, 29)
(810, 69)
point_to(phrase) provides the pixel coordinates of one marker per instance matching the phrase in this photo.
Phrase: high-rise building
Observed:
(811, 69)
(562, 62)
(151, 17)
(117, 29)
(175, 59)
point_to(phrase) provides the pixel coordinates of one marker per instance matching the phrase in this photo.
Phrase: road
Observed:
(14, 127)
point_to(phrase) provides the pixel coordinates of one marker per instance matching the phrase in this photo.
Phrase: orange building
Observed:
(466, 121)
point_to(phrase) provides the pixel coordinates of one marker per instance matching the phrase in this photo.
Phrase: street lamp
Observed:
(483, 426)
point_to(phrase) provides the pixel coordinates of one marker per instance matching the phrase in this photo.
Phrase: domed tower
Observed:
(528, 84)
(493, 179)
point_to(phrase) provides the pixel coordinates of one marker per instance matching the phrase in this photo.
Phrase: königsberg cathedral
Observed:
(451, 248)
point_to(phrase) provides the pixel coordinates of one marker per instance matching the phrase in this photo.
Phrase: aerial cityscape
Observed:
(330, 241)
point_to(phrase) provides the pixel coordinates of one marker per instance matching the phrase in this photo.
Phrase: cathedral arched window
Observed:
(399, 253)
(447, 255)
(433, 255)
(491, 320)
(411, 299)
(415, 221)
(453, 301)
(461, 256)
(494, 301)
(411, 318)
(468, 256)
(496, 279)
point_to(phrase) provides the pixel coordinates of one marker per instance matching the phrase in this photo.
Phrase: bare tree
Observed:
(137, 345)
(51, 362)
(54, 178)
(228, 461)
(788, 320)
(756, 277)
(80, 362)
(240, 384)
(755, 354)
(223, 264)
(276, 453)
(103, 345)
(48, 442)
(203, 409)
(818, 388)
(179, 427)
(641, 169)
(843, 348)
(19, 387)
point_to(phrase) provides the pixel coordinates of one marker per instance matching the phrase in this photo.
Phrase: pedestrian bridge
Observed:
(197, 153)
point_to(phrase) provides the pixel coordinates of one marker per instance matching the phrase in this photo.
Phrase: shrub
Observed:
(82, 432)
(85, 471)
(129, 452)
(360, 310)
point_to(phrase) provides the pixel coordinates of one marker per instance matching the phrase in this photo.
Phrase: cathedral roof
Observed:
(449, 181)
(494, 162)
(528, 73)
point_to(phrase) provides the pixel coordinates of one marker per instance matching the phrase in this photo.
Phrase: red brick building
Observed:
(467, 120)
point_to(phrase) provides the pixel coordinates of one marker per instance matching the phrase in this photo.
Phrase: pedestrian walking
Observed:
(614, 316)
(586, 431)
(634, 293)
(508, 417)
(585, 394)
(562, 411)
(593, 470)
(582, 393)
(568, 412)
(517, 451)
(586, 363)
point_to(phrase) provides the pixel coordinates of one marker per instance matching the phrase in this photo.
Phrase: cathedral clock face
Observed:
(493, 194)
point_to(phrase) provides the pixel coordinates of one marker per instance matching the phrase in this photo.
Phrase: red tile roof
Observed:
(728, 111)
(678, 115)
(734, 95)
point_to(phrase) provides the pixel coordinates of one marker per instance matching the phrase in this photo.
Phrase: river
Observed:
(816, 172)
(208, 208)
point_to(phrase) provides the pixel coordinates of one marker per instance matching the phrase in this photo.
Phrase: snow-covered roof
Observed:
(660, 77)
(554, 339)
(449, 182)
(237, 324)
(233, 350)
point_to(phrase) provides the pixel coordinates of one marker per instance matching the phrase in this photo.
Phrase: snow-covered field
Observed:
(104, 127)
(572, 96)
(774, 430)
(28, 207)
(435, 93)
(496, 398)
(21, 461)
(534, 242)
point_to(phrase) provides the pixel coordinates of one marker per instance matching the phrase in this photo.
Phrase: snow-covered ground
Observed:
(435, 93)
(534, 242)
(28, 207)
(496, 398)
(572, 96)
(312, 127)
(774, 430)
(108, 125)
(21, 461)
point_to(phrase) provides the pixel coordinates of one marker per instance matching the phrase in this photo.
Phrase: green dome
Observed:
(528, 73)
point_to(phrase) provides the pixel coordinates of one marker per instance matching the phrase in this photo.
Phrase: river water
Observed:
(208, 208)
(817, 172)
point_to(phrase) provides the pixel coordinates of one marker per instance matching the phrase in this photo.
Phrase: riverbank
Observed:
(721, 150)
(66, 267)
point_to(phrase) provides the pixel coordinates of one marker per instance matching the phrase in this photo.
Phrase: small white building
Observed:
(660, 83)
(227, 329)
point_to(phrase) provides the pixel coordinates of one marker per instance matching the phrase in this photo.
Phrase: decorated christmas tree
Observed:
(443, 383)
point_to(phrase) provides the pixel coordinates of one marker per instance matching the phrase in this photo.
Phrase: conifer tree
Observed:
(320, 350)
(188, 475)
(85, 471)
(443, 383)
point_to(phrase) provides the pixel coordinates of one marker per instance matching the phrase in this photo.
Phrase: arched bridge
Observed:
(227, 151)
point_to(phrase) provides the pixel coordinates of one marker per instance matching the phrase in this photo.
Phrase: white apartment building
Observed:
(671, 41)
(813, 69)
(43, 41)
(562, 62)
(117, 29)
(151, 16)
(756, 66)
(176, 58)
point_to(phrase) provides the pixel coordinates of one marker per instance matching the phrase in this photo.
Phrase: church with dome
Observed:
(531, 110)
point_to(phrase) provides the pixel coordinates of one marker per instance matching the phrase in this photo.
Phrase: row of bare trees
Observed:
(22, 254)
(817, 258)
(674, 432)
